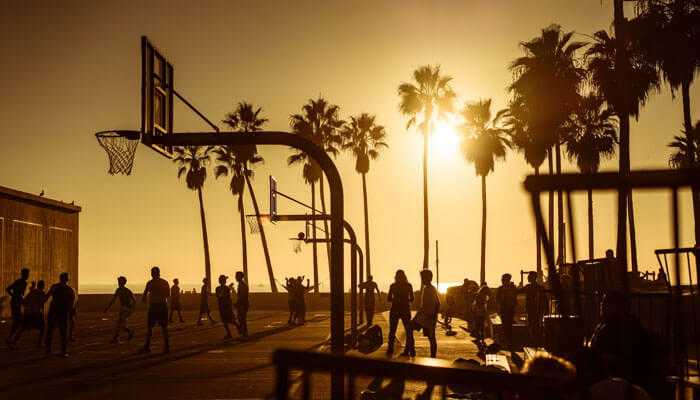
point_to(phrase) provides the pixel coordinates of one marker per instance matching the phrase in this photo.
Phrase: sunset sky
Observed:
(70, 69)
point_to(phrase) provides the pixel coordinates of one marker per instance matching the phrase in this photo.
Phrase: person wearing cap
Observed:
(223, 298)
(156, 294)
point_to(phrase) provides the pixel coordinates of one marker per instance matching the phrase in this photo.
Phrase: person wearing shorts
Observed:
(127, 303)
(156, 294)
(33, 313)
(16, 292)
(175, 304)
(223, 298)
(62, 303)
(204, 303)
(242, 304)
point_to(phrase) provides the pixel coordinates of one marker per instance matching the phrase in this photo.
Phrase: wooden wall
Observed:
(40, 234)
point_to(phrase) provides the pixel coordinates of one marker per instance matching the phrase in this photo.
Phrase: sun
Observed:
(445, 140)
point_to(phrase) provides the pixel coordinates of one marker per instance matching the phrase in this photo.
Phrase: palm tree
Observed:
(484, 143)
(641, 78)
(526, 141)
(680, 158)
(319, 122)
(192, 162)
(240, 161)
(591, 137)
(365, 139)
(430, 96)
(549, 62)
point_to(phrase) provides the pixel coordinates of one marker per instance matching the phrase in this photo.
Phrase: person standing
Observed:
(16, 291)
(62, 303)
(506, 298)
(400, 296)
(427, 315)
(369, 287)
(156, 294)
(223, 298)
(33, 313)
(534, 306)
(204, 303)
(242, 304)
(127, 304)
(480, 312)
(175, 304)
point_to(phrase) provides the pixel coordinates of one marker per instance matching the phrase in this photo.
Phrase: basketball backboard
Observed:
(157, 94)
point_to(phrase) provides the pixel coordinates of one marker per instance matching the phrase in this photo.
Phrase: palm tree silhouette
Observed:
(319, 122)
(365, 139)
(428, 98)
(525, 140)
(239, 161)
(484, 143)
(192, 162)
(591, 137)
(680, 158)
(641, 79)
(549, 62)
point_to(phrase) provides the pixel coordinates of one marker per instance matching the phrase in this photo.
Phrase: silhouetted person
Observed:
(534, 306)
(16, 291)
(506, 298)
(400, 296)
(33, 313)
(223, 298)
(204, 303)
(291, 299)
(427, 315)
(175, 303)
(242, 303)
(480, 312)
(127, 304)
(156, 294)
(661, 276)
(369, 287)
(62, 302)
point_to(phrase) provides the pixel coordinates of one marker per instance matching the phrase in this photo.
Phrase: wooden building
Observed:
(40, 234)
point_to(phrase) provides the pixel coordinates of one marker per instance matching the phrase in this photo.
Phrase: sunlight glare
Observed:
(445, 141)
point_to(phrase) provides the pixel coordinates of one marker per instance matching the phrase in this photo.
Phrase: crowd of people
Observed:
(163, 302)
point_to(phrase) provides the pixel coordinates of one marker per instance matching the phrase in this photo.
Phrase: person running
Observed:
(175, 304)
(242, 303)
(33, 313)
(62, 302)
(204, 303)
(223, 298)
(506, 298)
(400, 296)
(127, 304)
(369, 287)
(427, 315)
(156, 294)
(16, 291)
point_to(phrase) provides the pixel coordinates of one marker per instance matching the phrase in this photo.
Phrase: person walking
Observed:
(223, 298)
(175, 303)
(127, 304)
(204, 303)
(427, 315)
(62, 303)
(242, 303)
(33, 313)
(16, 291)
(506, 298)
(400, 296)
(156, 295)
(369, 287)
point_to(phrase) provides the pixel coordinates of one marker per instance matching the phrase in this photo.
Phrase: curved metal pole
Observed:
(336, 210)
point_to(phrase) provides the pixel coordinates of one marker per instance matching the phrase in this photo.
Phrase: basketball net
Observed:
(253, 224)
(120, 148)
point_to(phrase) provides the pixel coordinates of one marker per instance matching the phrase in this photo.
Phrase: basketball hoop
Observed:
(255, 220)
(121, 149)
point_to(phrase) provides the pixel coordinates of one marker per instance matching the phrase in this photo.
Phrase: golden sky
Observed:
(72, 68)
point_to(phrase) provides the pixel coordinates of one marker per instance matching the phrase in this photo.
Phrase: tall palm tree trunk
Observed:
(313, 236)
(367, 247)
(483, 229)
(633, 233)
(623, 116)
(426, 222)
(205, 238)
(688, 125)
(550, 162)
(325, 223)
(591, 246)
(244, 240)
(560, 210)
(263, 239)
(538, 233)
